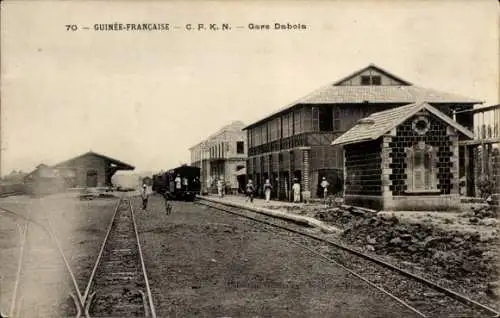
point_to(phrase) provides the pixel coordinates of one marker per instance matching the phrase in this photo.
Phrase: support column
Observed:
(262, 161)
(387, 201)
(455, 172)
(270, 168)
(278, 184)
(270, 172)
(291, 165)
(306, 191)
(466, 171)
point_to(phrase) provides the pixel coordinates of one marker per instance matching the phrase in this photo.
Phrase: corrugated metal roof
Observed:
(235, 126)
(356, 94)
(123, 165)
(374, 67)
(377, 124)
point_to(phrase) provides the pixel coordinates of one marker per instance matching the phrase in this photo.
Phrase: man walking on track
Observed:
(144, 196)
(168, 207)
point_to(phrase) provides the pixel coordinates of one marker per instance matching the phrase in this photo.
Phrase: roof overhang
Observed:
(119, 165)
(405, 112)
(351, 142)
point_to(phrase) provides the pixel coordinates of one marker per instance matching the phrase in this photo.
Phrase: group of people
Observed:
(267, 187)
(249, 190)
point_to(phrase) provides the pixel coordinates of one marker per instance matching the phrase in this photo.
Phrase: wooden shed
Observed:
(404, 158)
(92, 169)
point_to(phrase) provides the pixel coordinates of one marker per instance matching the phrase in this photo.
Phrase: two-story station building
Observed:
(222, 155)
(295, 141)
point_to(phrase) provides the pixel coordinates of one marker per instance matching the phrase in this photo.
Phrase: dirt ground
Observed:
(80, 226)
(458, 250)
(204, 263)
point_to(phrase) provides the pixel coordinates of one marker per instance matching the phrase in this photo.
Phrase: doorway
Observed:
(91, 179)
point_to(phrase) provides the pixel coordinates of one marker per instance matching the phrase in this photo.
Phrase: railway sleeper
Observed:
(123, 303)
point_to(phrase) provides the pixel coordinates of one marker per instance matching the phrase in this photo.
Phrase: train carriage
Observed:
(181, 183)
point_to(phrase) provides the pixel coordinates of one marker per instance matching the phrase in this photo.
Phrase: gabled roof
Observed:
(334, 93)
(377, 124)
(235, 126)
(374, 67)
(121, 165)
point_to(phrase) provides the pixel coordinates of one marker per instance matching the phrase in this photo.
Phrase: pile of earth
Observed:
(467, 257)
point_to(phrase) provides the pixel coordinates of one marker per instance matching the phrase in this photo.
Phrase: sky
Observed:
(145, 97)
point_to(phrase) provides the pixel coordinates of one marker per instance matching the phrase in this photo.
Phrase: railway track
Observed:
(118, 285)
(424, 297)
(45, 285)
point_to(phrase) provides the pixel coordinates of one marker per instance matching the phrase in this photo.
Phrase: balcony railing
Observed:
(486, 121)
(301, 140)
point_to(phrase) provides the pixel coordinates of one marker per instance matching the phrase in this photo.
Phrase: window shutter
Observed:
(315, 119)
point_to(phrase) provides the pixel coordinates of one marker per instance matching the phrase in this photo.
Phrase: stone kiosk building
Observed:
(406, 158)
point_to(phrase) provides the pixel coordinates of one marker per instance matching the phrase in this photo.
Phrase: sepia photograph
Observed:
(249, 158)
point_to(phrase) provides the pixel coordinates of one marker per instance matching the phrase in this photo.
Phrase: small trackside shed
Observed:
(405, 158)
(91, 169)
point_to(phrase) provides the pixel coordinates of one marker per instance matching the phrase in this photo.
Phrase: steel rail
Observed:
(53, 237)
(148, 289)
(330, 261)
(20, 260)
(98, 261)
(66, 263)
(461, 298)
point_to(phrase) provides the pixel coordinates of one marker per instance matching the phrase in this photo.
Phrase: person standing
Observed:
(325, 184)
(220, 188)
(144, 196)
(296, 191)
(267, 189)
(178, 182)
(249, 191)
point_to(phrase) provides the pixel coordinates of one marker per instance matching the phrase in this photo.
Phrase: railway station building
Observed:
(405, 158)
(89, 170)
(295, 140)
(222, 155)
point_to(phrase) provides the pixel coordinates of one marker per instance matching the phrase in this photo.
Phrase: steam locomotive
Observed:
(181, 183)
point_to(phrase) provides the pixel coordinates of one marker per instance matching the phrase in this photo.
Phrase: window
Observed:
(371, 80)
(421, 168)
(278, 123)
(315, 119)
(285, 126)
(264, 134)
(421, 125)
(240, 147)
(376, 80)
(325, 119)
(297, 129)
(258, 136)
(336, 118)
(273, 130)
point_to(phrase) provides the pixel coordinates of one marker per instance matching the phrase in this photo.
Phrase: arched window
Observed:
(421, 169)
